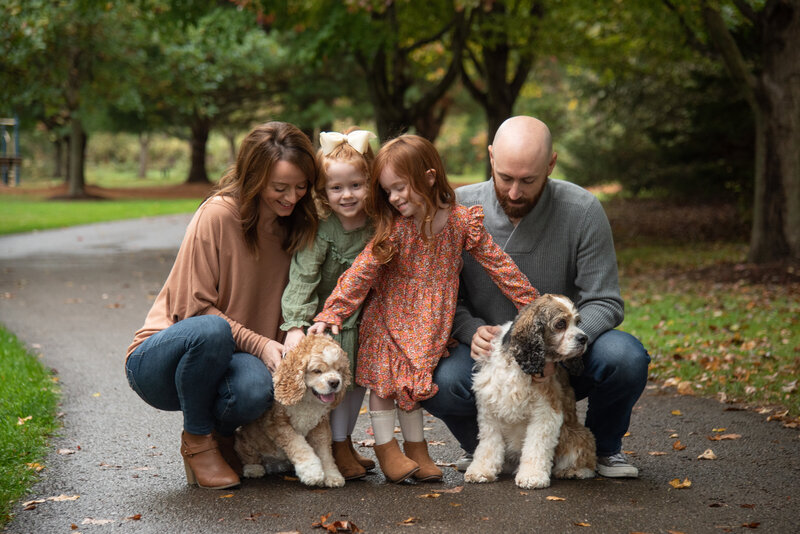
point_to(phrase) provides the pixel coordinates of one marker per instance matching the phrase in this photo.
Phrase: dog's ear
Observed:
(343, 366)
(574, 366)
(526, 343)
(290, 383)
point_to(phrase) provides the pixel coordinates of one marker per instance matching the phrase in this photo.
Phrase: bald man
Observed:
(559, 236)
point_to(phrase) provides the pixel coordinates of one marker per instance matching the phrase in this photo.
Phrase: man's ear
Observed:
(491, 157)
(552, 164)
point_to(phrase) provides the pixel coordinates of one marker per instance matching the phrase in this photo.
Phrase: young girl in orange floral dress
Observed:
(407, 278)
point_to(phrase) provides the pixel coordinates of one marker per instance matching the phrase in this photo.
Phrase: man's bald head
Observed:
(522, 158)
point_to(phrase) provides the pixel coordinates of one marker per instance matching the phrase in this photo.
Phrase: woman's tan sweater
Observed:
(215, 273)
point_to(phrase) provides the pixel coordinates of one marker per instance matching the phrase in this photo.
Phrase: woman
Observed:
(210, 342)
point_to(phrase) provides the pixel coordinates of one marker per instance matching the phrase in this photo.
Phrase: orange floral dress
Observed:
(411, 301)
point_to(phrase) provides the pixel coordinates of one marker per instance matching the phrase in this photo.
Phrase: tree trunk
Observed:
(144, 155)
(231, 138)
(200, 129)
(76, 187)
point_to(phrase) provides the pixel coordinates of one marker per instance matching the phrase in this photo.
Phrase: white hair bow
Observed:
(358, 139)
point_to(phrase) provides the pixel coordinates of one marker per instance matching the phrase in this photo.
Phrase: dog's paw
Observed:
(333, 479)
(310, 473)
(253, 470)
(477, 476)
(532, 480)
(576, 472)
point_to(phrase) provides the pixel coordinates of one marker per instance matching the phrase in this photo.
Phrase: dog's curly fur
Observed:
(309, 382)
(534, 422)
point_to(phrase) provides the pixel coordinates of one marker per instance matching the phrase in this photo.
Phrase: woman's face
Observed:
(286, 185)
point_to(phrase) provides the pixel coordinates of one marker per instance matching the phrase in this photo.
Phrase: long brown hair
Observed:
(264, 146)
(410, 157)
(346, 154)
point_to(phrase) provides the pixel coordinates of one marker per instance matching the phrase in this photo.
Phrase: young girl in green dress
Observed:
(344, 162)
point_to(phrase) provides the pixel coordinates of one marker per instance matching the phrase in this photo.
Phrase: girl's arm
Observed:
(299, 301)
(499, 265)
(350, 291)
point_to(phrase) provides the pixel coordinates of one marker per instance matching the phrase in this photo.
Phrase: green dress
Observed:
(313, 274)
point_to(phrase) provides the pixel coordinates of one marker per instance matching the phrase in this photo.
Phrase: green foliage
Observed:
(28, 401)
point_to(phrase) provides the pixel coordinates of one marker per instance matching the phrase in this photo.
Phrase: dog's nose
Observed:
(582, 339)
(333, 383)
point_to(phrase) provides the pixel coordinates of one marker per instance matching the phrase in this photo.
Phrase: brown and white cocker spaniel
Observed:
(533, 422)
(309, 382)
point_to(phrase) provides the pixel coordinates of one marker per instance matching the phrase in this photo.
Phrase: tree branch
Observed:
(731, 55)
(691, 36)
(746, 10)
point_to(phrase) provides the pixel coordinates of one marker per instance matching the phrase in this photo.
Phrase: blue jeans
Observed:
(614, 377)
(192, 366)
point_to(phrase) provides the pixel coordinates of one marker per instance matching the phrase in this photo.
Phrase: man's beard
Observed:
(514, 211)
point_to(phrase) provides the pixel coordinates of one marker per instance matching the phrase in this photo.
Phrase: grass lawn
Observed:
(28, 401)
(736, 340)
(23, 213)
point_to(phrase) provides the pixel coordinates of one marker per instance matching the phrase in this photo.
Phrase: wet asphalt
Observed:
(75, 296)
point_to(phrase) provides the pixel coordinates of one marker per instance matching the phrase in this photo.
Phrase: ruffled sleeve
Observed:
(498, 265)
(300, 300)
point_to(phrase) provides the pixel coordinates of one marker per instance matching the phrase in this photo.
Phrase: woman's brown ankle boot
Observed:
(204, 463)
(228, 452)
(428, 470)
(395, 465)
(346, 462)
(363, 460)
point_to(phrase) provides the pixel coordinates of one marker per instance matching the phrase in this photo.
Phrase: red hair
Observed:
(409, 157)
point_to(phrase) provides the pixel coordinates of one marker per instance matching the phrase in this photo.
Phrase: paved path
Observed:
(77, 296)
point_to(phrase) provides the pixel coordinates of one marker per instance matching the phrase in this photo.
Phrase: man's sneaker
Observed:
(616, 466)
(463, 463)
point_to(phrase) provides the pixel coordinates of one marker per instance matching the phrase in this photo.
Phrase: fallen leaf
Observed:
(64, 497)
(91, 521)
(95, 395)
(66, 451)
(708, 454)
(676, 412)
(226, 496)
(408, 521)
(675, 532)
(626, 434)
(554, 498)
(677, 484)
(673, 435)
(657, 453)
(721, 437)
(582, 524)
(455, 504)
(747, 506)
(754, 524)
(685, 388)
(23, 420)
(436, 443)
(363, 410)
(290, 478)
(457, 489)
(36, 466)
(135, 517)
(523, 492)
(429, 496)
(718, 429)
(678, 446)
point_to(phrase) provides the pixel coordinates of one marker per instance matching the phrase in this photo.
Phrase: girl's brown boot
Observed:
(346, 462)
(204, 463)
(418, 451)
(363, 460)
(395, 465)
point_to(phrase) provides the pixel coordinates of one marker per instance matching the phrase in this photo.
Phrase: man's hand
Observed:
(482, 341)
(548, 371)
(273, 353)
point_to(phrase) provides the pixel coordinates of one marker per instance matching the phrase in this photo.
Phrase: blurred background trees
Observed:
(683, 99)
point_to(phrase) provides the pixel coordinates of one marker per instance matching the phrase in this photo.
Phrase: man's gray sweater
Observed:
(564, 245)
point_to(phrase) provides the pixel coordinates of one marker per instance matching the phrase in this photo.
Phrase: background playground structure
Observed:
(10, 159)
